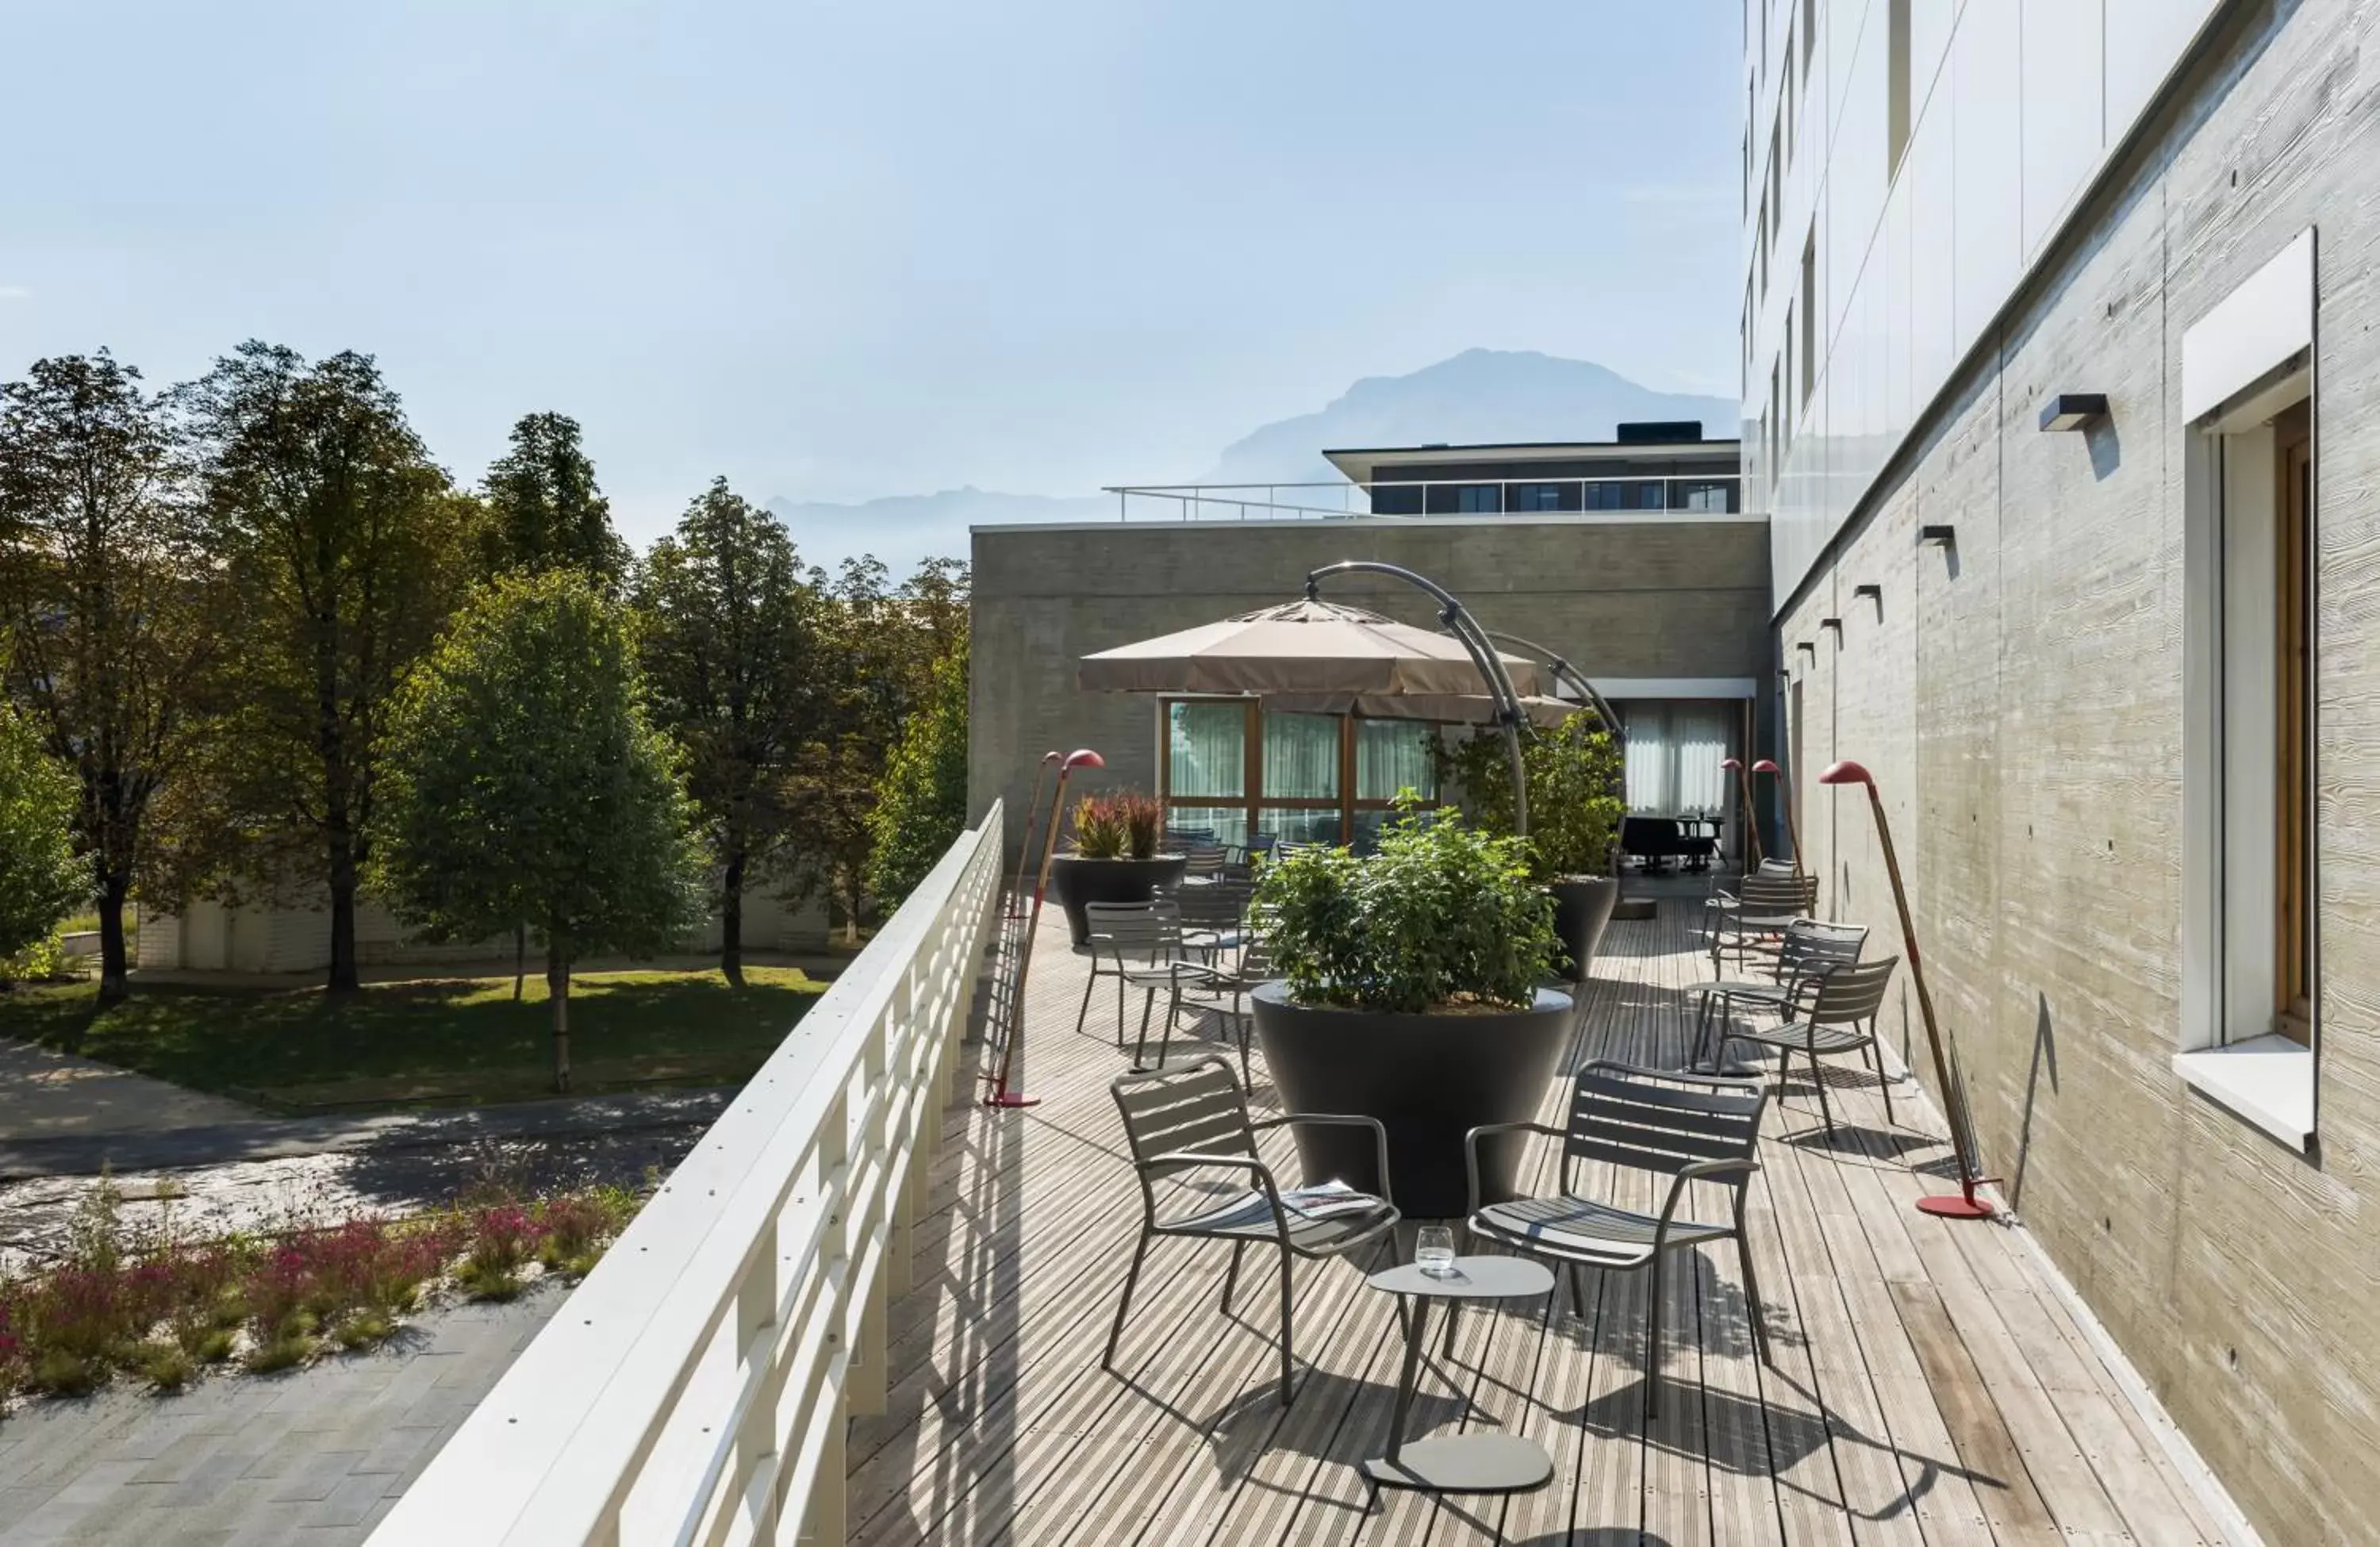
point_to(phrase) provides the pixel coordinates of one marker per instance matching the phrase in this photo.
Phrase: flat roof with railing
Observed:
(1692, 491)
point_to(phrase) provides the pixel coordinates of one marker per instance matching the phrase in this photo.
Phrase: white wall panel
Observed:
(2143, 39)
(1933, 247)
(2061, 109)
(1987, 163)
(1930, 22)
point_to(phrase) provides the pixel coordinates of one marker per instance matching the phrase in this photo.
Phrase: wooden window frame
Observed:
(1252, 801)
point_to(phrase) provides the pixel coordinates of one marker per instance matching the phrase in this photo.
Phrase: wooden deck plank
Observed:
(1928, 1387)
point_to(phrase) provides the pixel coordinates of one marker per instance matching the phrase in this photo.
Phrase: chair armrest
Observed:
(1470, 1154)
(1379, 1133)
(1699, 1171)
(1184, 1159)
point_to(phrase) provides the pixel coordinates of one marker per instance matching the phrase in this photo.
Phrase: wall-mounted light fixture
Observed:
(1813, 649)
(2073, 410)
(1834, 623)
(1868, 593)
(1944, 535)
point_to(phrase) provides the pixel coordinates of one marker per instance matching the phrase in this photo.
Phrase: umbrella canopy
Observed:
(1308, 646)
(1456, 708)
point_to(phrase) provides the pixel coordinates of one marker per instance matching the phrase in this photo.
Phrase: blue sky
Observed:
(873, 246)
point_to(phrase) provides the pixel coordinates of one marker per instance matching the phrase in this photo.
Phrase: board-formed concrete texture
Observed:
(2018, 696)
(1673, 595)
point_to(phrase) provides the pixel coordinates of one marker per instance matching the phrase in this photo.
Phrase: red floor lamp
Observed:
(1025, 850)
(1785, 788)
(999, 1094)
(1751, 828)
(1966, 1205)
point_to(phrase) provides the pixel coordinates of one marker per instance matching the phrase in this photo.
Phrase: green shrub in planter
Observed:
(1576, 791)
(1443, 917)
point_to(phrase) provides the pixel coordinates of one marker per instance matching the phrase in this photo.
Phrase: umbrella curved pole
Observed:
(1568, 675)
(1458, 621)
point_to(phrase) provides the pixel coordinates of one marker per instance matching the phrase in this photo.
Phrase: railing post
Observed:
(822, 1522)
(756, 1340)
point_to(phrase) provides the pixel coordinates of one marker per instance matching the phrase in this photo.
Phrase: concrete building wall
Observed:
(210, 936)
(1667, 596)
(2020, 696)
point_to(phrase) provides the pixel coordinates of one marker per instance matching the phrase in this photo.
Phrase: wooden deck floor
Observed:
(1927, 1385)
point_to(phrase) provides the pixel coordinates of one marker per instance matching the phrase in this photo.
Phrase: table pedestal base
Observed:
(1464, 1464)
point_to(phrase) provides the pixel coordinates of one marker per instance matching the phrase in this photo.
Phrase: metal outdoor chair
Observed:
(1188, 838)
(1689, 1127)
(1221, 986)
(1808, 951)
(1212, 915)
(1202, 859)
(1839, 1017)
(1130, 941)
(1756, 918)
(1194, 1117)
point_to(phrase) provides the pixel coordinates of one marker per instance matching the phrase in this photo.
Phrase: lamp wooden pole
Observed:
(1792, 827)
(999, 1094)
(1025, 847)
(1966, 1205)
(1751, 828)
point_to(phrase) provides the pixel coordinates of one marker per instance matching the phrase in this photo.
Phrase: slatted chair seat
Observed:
(1802, 1036)
(1763, 907)
(1602, 1234)
(1192, 1121)
(1698, 1130)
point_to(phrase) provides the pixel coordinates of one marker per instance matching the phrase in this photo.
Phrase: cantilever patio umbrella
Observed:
(1453, 709)
(1308, 646)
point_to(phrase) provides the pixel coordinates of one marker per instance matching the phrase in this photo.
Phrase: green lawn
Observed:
(446, 1041)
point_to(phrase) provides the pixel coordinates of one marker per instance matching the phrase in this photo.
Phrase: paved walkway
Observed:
(314, 1456)
(50, 1095)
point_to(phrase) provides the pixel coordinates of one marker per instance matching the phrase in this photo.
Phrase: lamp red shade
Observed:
(1846, 773)
(1084, 758)
(1766, 765)
(1732, 764)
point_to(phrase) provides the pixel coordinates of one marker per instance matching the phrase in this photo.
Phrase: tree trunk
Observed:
(344, 978)
(851, 909)
(114, 964)
(730, 921)
(557, 988)
(520, 958)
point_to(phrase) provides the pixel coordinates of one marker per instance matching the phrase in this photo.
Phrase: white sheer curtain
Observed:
(1673, 755)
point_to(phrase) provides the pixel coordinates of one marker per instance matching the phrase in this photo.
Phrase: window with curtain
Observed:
(1673, 755)
(1302, 792)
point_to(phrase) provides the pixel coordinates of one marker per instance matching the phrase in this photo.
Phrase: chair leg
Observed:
(1818, 1077)
(1883, 1085)
(1090, 986)
(1577, 1291)
(1120, 995)
(1131, 1277)
(1653, 1335)
(1231, 1277)
(1148, 1003)
(1287, 1358)
(1751, 1290)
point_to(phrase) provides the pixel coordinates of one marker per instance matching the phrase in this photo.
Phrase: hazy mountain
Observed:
(1479, 395)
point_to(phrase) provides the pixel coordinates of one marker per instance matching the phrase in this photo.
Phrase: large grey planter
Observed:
(1582, 907)
(1429, 1078)
(1077, 881)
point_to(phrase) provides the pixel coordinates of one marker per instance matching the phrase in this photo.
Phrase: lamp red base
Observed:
(1955, 1206)
(1011, 1098)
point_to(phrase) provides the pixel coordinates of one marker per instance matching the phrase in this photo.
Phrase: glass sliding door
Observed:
(1673, 754)
(1298, 801)
(1206, 780)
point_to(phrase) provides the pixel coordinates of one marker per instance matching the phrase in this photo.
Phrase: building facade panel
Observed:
(2045, 652)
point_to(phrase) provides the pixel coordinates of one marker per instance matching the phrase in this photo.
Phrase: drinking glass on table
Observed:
(1434, 1250)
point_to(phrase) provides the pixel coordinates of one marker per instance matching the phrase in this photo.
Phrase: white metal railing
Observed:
(695, 1388)
(1706, 493)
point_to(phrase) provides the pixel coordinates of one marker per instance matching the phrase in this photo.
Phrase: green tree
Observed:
(881, 643)
(544, 510)
(40, 878)
(102, 589)
(525, 781)
(730, 652)
(921, 800)
(1576, 791)
(344, 550)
